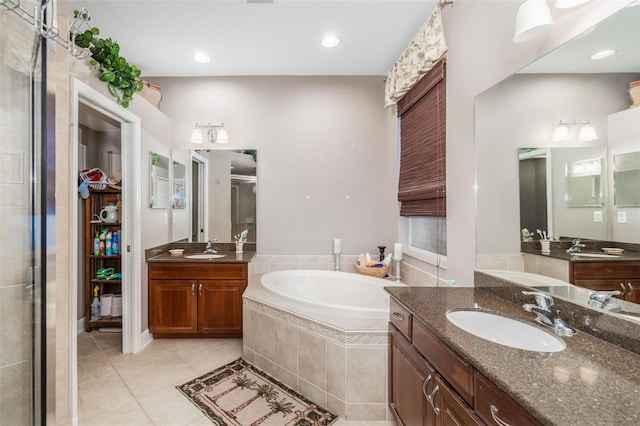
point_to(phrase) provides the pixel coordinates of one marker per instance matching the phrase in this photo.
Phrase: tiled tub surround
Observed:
(592, 381)
(339, 362)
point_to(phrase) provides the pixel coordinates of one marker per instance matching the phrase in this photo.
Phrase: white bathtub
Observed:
(323, 333)
(350, 295)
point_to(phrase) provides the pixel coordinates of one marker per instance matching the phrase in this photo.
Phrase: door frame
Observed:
(130, 133)
(203, 195)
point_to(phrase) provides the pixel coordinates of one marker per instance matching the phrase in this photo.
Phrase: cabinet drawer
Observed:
(454, 369)
(605, 269)
(197, 271)
(401, 318)
(505, 408)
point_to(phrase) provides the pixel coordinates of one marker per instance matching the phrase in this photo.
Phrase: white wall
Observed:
(522, 112)
(319, 141)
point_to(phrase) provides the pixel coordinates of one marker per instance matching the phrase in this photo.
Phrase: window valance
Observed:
(424, 50)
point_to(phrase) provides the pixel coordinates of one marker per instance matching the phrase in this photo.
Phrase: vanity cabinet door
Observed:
(220, 307)
(494, 406)
(603, 285)
(173, 307)
(452, 409)
(410, 378)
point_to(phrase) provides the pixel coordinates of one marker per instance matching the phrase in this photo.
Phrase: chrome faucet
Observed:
(210, 248)
(575, 246)
(547, 314)
(602, 300)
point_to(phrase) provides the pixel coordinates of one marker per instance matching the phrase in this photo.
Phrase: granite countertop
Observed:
(627, 256)
(590, 382)
(229, 257)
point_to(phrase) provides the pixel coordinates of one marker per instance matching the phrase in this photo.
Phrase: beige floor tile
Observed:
(99, 397)
(87, 346)
(210, 358)
(130, 414)
(170, 407)
(94, 367)
(108, 341)
(160, 374)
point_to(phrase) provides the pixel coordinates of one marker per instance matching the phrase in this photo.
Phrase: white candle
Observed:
(337, 246)
(397, 251)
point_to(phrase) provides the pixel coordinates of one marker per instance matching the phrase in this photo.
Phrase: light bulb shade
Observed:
(588, 133)
(560, 133)
(567, 4)
(196, 136)
(223, 137)
(533, 18)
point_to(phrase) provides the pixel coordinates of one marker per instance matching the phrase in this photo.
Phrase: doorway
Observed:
(84, 97)
(199, 173)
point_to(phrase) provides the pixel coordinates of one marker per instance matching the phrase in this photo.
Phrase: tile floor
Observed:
(139, 389)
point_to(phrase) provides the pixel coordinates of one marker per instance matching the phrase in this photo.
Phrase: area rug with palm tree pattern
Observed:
(239, 394)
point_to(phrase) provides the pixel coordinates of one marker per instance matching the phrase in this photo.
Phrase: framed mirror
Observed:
(159, 192)
(626, 179)
(221, 195)
(523, 110)
(179, 185)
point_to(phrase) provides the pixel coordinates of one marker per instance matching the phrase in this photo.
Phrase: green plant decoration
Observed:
(155, 159)
(122, 78)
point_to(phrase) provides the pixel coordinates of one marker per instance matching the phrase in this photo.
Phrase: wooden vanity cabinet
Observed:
(431, 384)
(608, 276)
(196, 299)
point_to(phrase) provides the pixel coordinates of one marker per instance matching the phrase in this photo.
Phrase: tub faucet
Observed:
(575, 246)
(547, 314)
(210, 248)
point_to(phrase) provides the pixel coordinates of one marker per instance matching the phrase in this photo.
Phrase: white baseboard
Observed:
(145, 339)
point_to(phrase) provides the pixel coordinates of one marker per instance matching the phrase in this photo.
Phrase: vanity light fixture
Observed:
(533, 18)
(216, 133)
(587, 131)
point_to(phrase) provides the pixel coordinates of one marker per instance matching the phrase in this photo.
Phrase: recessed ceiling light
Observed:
(201, 58)
(603, 54)
(330, 40)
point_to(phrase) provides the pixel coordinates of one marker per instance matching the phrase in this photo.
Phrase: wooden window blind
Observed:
(422, 112)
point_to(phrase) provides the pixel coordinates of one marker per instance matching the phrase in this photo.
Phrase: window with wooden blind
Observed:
(422, 117)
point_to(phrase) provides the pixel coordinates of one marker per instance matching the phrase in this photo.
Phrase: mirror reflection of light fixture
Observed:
(587, 131)
(533, 18)
(214, 136)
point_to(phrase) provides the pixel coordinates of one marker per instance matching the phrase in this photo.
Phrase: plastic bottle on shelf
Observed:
(115, 243)
(95, 305)
(107, 243)
(96, 245)
(103, 236)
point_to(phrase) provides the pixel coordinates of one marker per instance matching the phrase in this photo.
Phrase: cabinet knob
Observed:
(498, 420)
(200, 289)
(396, 316)
(193, 289)
(630, 289)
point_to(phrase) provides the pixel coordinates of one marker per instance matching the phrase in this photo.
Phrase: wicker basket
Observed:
(380, 272)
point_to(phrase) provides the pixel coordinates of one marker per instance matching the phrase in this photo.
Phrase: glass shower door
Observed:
(22, 357)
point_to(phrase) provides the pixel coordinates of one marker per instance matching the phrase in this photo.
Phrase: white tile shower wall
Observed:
(344, 371)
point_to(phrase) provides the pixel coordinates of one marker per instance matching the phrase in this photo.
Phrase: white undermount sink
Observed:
(506, 331)
(595, 255)
(204, 256)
